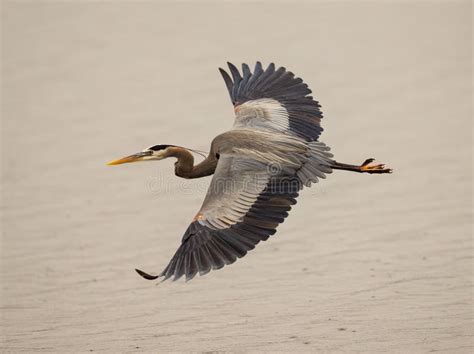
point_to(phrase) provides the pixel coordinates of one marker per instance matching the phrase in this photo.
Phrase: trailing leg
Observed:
(366, 167)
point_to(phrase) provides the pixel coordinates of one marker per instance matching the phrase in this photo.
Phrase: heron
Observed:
(259, 167)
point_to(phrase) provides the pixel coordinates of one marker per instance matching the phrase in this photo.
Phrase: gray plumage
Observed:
(258, 167)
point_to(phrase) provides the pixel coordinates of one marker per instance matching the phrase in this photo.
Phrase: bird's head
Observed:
(156, 152)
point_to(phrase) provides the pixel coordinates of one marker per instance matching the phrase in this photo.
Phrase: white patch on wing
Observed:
(263, 114)
(237, 199)
(234, 188)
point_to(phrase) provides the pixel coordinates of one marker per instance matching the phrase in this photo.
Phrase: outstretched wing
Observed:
(243, 206)
(256, 182)
(273, 100)
(230, 224)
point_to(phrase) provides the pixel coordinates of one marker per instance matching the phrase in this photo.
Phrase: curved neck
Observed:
(184, 166)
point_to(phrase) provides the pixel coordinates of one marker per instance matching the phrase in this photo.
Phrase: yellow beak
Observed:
(132, 158)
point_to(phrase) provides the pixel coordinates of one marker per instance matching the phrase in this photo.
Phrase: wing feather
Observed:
(234, 219)
(258, 92)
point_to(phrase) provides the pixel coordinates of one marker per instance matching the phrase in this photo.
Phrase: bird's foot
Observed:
(368, 167)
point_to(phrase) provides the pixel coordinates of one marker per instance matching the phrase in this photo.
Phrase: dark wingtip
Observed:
(228, 82)
(236, 77)
(226, 76)
(223, 72)
(146, 275)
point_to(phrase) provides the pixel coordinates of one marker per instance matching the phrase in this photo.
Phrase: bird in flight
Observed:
(258, 167)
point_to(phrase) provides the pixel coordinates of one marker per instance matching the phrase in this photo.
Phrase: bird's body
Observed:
(258, 169)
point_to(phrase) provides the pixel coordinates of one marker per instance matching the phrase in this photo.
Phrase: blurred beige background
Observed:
(364, 263)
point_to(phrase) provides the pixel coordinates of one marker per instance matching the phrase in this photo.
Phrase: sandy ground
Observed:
(364, 263)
